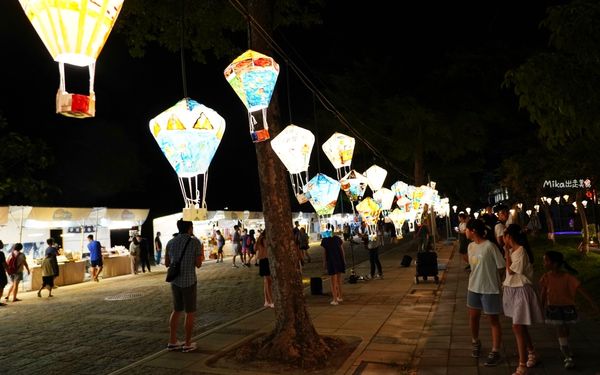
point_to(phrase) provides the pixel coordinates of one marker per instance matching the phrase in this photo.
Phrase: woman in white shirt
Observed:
(519, 300)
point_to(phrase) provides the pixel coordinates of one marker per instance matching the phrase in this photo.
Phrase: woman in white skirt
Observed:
(520, 301)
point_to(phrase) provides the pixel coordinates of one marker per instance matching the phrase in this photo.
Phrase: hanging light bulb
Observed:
(584, 203)
(468, 209)
(520, 205)
(549, 201)
(528, 212)
(566, 197)
(476, 214)
(536, 207)
(454, 208)
(557, 200)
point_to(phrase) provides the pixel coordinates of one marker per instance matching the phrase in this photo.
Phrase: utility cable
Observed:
(327, 104)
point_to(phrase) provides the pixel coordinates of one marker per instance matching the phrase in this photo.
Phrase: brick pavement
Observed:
(78, 331)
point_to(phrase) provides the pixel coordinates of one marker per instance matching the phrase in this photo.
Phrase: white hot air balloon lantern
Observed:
(384, 198)
(339, 149)
(74, 33)
(189, 134)
(293, 147)
(376, 176)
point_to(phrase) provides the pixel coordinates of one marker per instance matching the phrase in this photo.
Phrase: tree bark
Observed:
(294, 339)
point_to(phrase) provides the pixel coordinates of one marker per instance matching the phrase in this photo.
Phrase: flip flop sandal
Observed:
(177, 346)
(191, 348)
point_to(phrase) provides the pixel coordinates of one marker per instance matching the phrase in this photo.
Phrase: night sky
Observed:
(112, 160)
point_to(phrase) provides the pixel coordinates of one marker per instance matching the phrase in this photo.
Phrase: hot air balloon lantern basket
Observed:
(75, 105)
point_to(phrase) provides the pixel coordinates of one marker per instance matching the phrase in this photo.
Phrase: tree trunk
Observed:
(419, 162)
(294, 339)
(585, 246)
(549, 222)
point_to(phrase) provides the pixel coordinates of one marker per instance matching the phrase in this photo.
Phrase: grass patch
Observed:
(587, 266)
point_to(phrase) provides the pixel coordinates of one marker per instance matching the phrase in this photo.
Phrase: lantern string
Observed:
(92, 70)
(182, 49)
(327, 104)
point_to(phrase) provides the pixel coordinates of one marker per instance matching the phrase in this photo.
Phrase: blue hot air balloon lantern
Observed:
(189, 134)
(322, 192)
(253, 76)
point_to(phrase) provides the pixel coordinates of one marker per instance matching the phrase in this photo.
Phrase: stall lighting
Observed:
(549, 201)
(476, 214)
(520, 205)
(468, 209)
(557, 200)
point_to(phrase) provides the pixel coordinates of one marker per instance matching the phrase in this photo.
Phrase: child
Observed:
(47, 276)
(558, 297)
(520, 301)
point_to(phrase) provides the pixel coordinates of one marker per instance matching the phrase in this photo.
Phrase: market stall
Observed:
(69, 227)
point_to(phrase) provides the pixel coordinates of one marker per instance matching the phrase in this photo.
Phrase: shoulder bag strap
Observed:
(184, 249)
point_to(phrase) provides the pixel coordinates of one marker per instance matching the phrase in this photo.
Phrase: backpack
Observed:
(11, 268)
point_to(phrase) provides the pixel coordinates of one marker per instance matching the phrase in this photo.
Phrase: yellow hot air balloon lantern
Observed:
(339, 149)
(74, 32)
(252, 76)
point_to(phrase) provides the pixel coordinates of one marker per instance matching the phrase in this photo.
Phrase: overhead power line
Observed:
(325, 102)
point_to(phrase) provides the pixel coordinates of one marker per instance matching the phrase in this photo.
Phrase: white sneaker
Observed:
(334, 302)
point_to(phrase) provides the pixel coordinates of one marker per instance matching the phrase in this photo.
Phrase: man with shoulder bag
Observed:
(184, 254)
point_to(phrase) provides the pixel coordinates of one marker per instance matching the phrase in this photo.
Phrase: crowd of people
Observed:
(501, 281)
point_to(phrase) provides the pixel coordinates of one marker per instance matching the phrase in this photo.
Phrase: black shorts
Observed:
(48, 281)
(263, 267)
(184, 299)
(96, 263)
(220, 250)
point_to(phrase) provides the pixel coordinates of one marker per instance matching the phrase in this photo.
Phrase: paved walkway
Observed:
(402, 328)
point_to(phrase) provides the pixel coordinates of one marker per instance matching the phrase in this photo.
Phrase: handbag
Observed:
(175, 267)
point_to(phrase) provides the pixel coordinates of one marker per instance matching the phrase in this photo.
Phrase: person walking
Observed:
(52, 251)
(3, 278)
(95, 257)
(15, 265)
(158, 248)
(236, 244)
(134, 255)
(558, 290)
(186, 251)
(373, 244)
(484, 288)
(220, 244)
(334, 264)
(463, 241)
(144, 253)
(47, 276)
(250, 244)
(303, 244)
(263, 269)
(519, 300)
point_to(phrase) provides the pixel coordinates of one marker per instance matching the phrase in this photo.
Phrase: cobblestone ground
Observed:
(97, 328)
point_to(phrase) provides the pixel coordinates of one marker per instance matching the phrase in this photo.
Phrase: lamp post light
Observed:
(476, 214)
(468, 209)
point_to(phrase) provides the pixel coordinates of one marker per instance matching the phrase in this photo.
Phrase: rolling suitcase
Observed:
(406, 261)
(427, 266)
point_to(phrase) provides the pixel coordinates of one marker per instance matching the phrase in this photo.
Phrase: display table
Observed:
(116, 266)
(69, 273)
